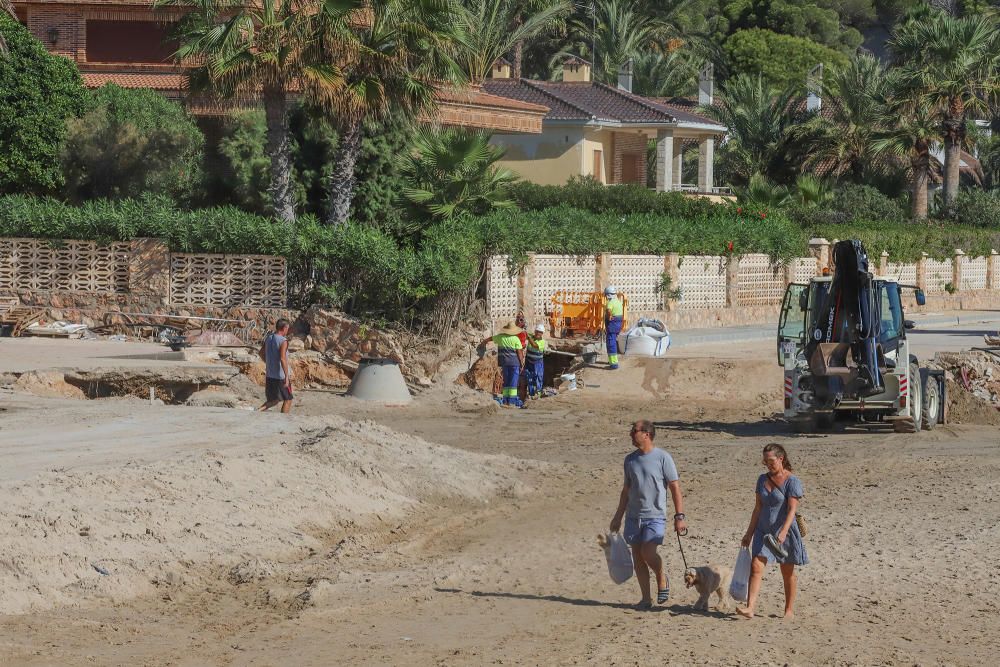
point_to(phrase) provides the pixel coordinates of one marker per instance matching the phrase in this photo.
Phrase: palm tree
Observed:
(249, 51)
(492, 28)
(910, 130)
(670, 74)
(392, 57)
(760, 194)
(620, 32)
(454, 171)
(953, 63)
(523, 11)
(840, 141)
(760, 122)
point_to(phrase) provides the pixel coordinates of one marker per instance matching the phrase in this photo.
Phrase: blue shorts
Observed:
(639, 531)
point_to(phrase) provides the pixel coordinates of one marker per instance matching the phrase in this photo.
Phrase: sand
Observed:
(344, 536)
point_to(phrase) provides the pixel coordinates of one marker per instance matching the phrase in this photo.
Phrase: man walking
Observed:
(649, 472)
(614, 315)
(278, 380)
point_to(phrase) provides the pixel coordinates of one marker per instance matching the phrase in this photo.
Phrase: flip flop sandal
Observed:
(776, 548)
(663, 596)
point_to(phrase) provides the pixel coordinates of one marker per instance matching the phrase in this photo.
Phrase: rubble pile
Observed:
(973, 385)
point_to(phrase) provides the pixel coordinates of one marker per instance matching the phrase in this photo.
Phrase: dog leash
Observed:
(681, 547)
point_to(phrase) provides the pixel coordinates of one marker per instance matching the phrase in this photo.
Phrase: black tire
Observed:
(931, 405)
(916, 398)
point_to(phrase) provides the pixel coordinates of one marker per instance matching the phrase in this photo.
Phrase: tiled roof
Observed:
(484, 99)
(588, 101)
(684, 109)
(161, 81)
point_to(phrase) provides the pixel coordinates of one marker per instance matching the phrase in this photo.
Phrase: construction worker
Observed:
(614, 312)
(510, 357)
(534, 361)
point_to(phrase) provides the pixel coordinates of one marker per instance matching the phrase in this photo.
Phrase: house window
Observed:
(598, 165)
(129, 42)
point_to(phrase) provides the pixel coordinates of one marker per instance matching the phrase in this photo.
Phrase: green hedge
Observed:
(589, 195)
(368, 271)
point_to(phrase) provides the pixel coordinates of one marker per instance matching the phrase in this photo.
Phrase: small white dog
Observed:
(709, 579)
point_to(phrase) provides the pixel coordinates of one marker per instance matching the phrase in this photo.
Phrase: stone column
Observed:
(678, 164)
(672, 268)
(883, 263)
(149, 270)
(706, 164)
(664, 160)
(992, 275)
(732, 281)
(820, 249)
(922, 271)
(602, 271)
(956, 269)
(526, 290)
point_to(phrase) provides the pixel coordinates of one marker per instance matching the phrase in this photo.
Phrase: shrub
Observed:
(587, 194)
(850, 204)
(979, 208)
(38, 92)
(131, 142)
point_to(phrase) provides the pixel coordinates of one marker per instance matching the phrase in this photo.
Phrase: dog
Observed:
(709, 579)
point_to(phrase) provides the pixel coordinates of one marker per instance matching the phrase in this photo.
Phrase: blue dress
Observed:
(773, 510)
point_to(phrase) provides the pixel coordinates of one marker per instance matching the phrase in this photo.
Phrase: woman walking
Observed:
(777, 498)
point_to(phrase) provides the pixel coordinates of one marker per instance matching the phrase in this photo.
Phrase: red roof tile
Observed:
(165, 81)
(588, 101)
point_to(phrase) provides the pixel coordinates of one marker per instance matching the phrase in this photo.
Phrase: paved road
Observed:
(946, 328)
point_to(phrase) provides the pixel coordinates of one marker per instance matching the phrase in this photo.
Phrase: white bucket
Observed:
(569, 380)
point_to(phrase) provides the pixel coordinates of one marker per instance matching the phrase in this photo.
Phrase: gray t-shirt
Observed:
(272, 356)
(647, 476)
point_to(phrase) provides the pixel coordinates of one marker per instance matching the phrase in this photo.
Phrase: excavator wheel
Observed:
(914, 421)
(931, 403)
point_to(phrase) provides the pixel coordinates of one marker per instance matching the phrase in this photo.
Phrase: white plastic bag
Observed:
(740, 584)
(619, 556)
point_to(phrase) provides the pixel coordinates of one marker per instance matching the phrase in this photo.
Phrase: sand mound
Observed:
(121, 532)
(47, 384)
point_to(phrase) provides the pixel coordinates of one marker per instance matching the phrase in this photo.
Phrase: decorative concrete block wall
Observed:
(715, 290)
(141, 274)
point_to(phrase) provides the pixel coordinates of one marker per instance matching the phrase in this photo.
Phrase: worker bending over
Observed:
(614, 312)
(510, 357)
(534, 365)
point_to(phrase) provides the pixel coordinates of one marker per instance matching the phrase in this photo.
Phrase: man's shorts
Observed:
(639, 531)
(277, 390)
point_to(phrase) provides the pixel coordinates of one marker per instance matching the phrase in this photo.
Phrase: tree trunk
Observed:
(920, 166)
(280, 154)
(954, 134)
(342, 179)
(518, 59)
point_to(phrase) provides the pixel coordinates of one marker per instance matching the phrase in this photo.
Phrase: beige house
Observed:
(596, 130)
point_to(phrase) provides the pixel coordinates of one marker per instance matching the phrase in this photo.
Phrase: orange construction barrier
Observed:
(581, 313)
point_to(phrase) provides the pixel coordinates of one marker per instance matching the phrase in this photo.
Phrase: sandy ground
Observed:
(451, 532)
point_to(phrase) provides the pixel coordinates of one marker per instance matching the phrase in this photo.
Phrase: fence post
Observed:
(526, 289)
(732, 281)
(820, 249)
(956, 270)
(672, 268)
(991, 270)
(922, 271)
(149, 269)
(883, 263)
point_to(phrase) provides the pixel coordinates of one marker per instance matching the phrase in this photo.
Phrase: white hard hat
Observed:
(610, 291)
(540, 327)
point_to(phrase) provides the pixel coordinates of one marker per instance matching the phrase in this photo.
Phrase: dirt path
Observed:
(903, 548)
